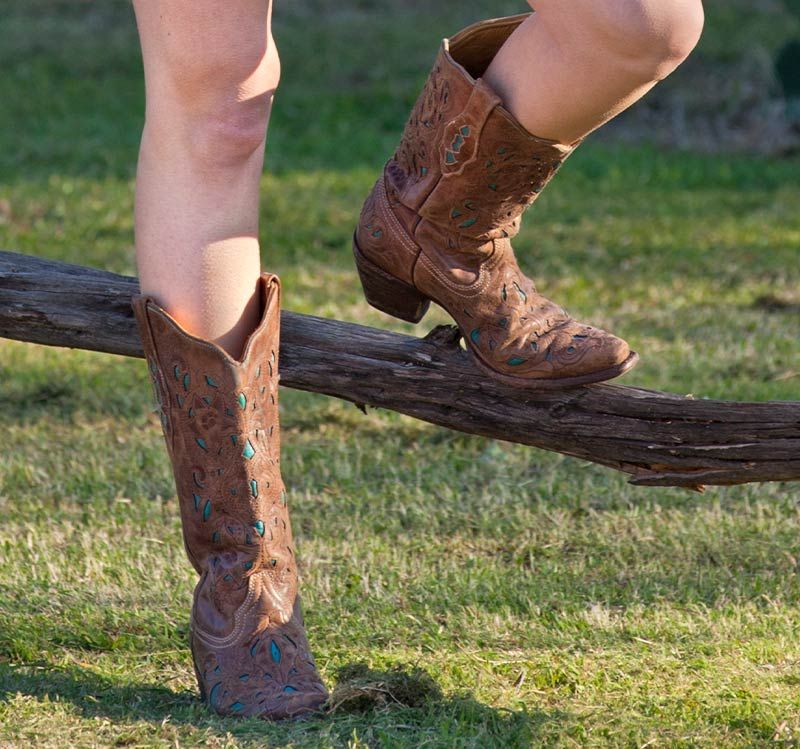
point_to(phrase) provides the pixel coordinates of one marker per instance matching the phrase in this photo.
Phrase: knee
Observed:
(649, 37)
(220, 99)
(654, 36)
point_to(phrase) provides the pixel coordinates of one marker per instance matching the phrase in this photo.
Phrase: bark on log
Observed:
(659, 438)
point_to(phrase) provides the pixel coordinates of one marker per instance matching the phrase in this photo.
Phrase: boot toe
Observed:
(571, 354)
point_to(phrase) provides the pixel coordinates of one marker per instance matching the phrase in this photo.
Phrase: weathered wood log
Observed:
(658, 438)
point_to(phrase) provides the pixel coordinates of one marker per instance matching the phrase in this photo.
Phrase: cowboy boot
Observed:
(220, 422)
(438, 223)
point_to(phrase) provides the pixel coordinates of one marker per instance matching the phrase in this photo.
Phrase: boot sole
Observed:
(394, 297)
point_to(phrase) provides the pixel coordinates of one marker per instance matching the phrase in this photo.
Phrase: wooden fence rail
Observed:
(659, 439)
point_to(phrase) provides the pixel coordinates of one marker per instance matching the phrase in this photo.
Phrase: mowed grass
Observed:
(508, 597)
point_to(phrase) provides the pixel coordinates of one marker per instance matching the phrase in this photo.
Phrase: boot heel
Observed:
(386, 293)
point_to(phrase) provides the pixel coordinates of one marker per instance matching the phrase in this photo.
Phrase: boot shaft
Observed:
(464, 163)
(220, 422)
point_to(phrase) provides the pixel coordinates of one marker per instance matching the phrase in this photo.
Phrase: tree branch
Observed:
(658, 438)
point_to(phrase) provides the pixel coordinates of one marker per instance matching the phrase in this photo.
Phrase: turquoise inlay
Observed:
(237, 706)
(244, 677)
(549, 356)
(521, 293)
(207, 400)
(214, 693)
(211, 382)
(254, 488)
(228, 411)
(502, 150)
(249, 450)
(215, 537)
(570, 349)
(200, 441)
(191, 413)
(289, 690)
(450, 158)
(475, 336)
(465, 130)
(248, 539)
(242, 400)
(489, 164)
(455, 213)
(457, 143)
(217, 670)
(180, 399)
(234, 438)
(177, 372)
(493, 187)
(515, 361)
(423, 171)
(196, 498)
(254, 648)
(186, 381)
(207, 510)
(275, 651)
(273, 562)
(259, 526)
(469, 222)
(248, 565)
(534, 345)
(503, 323)
(228, 578)
(377, 234)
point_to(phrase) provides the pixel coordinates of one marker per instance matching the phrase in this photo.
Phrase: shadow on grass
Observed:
(401, 706)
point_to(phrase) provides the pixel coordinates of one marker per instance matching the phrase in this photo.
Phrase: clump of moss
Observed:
(360, 688)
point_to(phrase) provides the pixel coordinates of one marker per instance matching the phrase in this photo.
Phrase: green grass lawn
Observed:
(505, 596)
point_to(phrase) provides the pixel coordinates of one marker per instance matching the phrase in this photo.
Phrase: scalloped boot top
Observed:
(438, 224)
(220, 422)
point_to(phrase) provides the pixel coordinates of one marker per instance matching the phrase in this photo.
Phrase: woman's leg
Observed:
(575, 64)
(211, 70)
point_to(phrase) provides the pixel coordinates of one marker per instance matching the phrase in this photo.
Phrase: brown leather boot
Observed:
(438, 223)
(220, 422)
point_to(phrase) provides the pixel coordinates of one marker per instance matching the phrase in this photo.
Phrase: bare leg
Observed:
(575, 64)
(211, 70)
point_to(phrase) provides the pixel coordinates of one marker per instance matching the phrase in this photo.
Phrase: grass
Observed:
(490, 595)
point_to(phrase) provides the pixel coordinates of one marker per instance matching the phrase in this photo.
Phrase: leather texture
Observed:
(438, 224)
(220, 422)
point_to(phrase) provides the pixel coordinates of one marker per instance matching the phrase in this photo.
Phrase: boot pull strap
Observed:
(460, 138)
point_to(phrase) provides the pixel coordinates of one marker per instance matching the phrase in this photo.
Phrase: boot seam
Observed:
(239, 619)
(465, 291)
